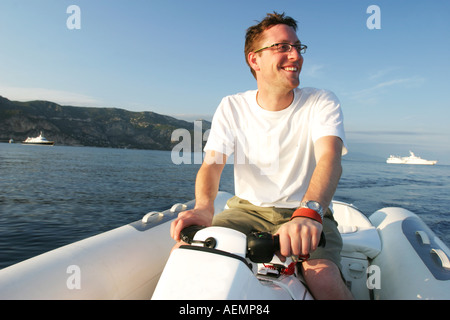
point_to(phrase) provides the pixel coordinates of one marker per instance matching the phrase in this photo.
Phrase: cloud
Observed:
(57, 96)
(370, 94)
(417, 138)
(381, 73)
(313, 70)
(387, 132)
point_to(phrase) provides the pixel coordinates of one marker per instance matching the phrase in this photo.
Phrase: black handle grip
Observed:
(261, 246)
(188, 233)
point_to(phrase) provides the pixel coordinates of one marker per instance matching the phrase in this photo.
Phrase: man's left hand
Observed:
(300, 236)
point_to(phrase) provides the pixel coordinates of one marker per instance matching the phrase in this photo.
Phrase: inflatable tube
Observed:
(413, 263)
(124, 263)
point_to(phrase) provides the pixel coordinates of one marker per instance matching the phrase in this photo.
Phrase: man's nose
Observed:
(295, 55)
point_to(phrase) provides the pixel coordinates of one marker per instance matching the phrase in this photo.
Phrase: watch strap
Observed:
(307, 213)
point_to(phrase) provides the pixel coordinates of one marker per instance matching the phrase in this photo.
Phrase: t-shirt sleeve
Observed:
(329, 119)
(221, 138)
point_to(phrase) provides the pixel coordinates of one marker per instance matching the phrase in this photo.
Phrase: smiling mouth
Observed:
(292, 69)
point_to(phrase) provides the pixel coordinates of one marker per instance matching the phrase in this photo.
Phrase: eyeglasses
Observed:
(286, 47)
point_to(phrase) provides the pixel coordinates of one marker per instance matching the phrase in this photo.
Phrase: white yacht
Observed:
(40, 140)
(412, 159)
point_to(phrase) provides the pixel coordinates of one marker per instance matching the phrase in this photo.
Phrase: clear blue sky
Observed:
(181, 57)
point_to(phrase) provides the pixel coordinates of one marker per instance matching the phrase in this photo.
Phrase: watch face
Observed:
(313, 205)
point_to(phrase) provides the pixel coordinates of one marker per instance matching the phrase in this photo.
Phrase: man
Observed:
(287, 144)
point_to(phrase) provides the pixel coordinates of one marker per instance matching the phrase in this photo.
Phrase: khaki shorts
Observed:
(246, 218)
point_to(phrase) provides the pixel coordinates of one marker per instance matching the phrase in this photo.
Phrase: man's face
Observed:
(280, 69)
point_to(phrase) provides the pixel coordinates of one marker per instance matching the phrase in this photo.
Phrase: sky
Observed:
(389, 67)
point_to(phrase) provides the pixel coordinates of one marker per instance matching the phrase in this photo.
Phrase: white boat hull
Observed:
(378, 258)
(414, 262)
(119, 264)
(39, 140)
(424, 162)
(190, 269)
(48, 143)
(412, 159)
(124, 263)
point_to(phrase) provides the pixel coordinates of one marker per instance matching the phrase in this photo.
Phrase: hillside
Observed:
(82, 126)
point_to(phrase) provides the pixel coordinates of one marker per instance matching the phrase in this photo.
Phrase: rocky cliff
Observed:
(81, 126)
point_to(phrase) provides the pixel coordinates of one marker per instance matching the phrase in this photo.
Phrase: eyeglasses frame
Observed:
(299, 47)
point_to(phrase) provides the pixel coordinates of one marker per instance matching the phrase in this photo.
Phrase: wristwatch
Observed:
(314, 205)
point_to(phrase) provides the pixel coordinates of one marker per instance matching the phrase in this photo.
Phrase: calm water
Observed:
(52, 196)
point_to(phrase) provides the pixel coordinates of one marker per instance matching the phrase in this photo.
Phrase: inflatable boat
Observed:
(391, 254)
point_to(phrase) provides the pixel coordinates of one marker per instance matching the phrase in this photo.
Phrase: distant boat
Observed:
(412, 159)
(40, 140)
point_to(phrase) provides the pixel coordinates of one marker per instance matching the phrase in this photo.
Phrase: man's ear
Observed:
(253, 61)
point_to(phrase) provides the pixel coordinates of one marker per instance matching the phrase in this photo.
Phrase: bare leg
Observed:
(324, 280)
(177, 245)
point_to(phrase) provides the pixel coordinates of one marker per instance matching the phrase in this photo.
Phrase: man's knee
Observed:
(324, 279)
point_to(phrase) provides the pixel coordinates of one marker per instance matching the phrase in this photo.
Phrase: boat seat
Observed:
(362, 240)
(357, 232)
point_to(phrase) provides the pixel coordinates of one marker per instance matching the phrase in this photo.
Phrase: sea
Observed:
(53, 196)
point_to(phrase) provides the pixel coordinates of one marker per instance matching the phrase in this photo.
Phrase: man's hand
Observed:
(300, 236)
(206, 188)
(196, 216)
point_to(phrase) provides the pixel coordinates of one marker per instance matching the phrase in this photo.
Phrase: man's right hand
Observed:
(196, 216)
(206, 188)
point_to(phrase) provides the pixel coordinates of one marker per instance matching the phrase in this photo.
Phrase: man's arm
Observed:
(302, 235)
(206, 188)
(325, 179)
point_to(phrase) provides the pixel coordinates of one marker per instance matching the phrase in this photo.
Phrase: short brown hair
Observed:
(254, 33)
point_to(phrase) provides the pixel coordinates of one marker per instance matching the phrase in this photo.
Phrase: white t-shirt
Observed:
(274, 150)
